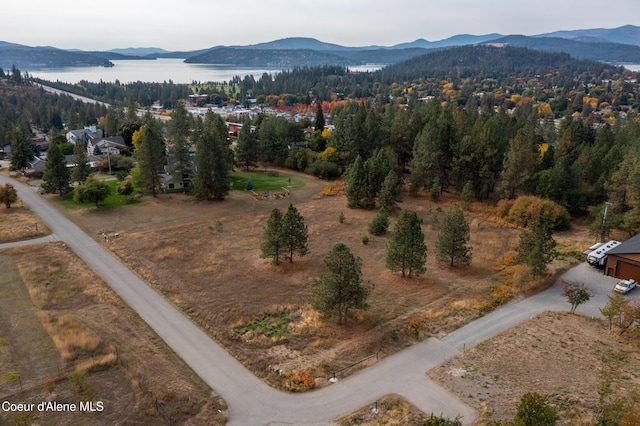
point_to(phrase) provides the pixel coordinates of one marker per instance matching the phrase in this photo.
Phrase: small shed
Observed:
(623, 261)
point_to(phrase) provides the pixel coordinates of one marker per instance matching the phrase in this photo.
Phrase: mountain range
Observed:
(617, 45)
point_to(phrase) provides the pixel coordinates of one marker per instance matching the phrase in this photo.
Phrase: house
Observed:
(5, 151)
(85, 135)
(36, 165)
(623, 261)
(114, 145)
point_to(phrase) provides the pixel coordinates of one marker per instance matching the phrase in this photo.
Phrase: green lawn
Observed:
(265, 181)
(113, 200)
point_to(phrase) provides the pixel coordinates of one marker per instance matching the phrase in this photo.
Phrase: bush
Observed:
(380, 224)
(365, 240)
(248, 186)
(324, 169)
(527, 208)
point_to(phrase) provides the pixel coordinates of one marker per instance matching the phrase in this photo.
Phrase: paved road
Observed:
(250, 401)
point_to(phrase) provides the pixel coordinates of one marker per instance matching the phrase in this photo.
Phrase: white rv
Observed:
(598, 256)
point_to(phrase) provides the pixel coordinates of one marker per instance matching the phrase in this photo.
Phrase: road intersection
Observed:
(250, 401)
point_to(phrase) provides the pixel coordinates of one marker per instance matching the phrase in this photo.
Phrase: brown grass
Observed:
(556, 353)
(93, 331)
(18, 223)
(219, 280)
(389, 410)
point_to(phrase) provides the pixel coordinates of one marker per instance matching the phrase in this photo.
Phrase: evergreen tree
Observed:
(390, 193)
(520, 161)
(21, 152)
(80, 170)
(247, 149)
(358, 190)
(466, 196)
(273, 240)
(451, 244)
(178, 132)
(150, 154)
(295, 233)
(341, 288)
(406, 250)
(380, 224)
(537, 248)
(55, 177)
(319, 125)
(212, 170)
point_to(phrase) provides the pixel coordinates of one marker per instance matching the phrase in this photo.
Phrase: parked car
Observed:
(625, 286)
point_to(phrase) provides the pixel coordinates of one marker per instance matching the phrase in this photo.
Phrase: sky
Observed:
(177, 25)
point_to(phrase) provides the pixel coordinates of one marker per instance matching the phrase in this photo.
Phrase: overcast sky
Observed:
(198, 24)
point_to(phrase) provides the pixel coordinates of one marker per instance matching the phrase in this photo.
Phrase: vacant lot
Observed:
(559, 354)
(205, 258)
(18, 223)
(57, 318)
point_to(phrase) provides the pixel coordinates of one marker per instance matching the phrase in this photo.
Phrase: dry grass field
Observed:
(559, 354)
(205, 258)
(57, 318)
(18, 223)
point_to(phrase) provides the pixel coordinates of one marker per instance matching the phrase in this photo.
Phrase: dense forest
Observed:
(501, 122)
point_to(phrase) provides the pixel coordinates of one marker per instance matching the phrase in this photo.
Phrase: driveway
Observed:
(250, 401)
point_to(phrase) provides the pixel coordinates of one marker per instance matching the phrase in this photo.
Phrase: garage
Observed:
(623, 261)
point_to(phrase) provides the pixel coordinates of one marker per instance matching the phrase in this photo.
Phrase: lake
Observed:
(176, 70)
(159, 70)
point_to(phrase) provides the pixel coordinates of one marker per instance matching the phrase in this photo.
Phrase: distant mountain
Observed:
(28, 58)
(628, 34)
(613, 53)
(292, 43)
(458, 40)
(268, 58)
(616, 45)
(139, 51)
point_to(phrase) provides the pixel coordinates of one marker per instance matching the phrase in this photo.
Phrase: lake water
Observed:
(159, 70)
(176, 70)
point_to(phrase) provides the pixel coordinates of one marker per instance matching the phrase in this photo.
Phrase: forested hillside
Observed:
(502, 122)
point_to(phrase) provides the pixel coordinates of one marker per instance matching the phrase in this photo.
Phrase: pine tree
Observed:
(273, 240)
(358, 190)
(520, 161)
(55, 177)
(212, 170)
(178, 132)
(295, 233)
(406, 250)
(466, 196)
(150, 154)
(80, 170)
(341, 288)
(21, 152)
(319, 126)
(247, 149)
(390, 193)
(451, 244)
(380, 224)
(537, 248)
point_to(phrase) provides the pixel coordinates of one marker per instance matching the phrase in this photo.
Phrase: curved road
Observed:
(252, 402)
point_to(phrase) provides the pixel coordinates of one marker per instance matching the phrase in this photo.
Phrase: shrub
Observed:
(380, 224)
(299, 382)
(341, 218)
(248, 186)
(324, 169)
(528, 208)
(365, 240)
